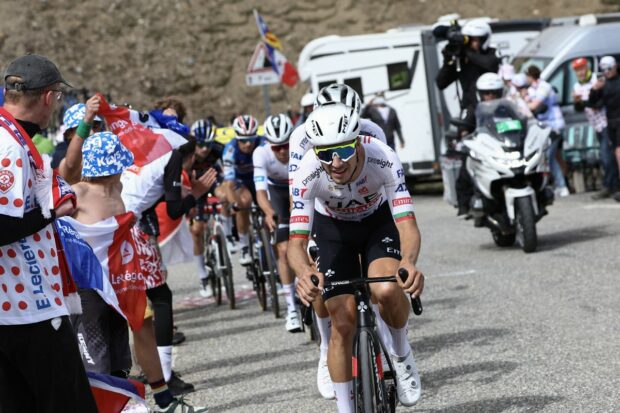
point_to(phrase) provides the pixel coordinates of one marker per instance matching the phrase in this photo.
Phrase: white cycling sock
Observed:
(200, 266)
(325, 331)
(400, 344)
(165, 358)
(289, 294)
(244, 239)
(382, 328)
(344, 396)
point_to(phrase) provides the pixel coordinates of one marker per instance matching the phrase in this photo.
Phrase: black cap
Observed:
(36, 72)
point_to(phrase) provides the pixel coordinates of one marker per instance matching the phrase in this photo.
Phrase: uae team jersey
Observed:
(382, 179)
(30, 281)
(299, 143)
(268, 169)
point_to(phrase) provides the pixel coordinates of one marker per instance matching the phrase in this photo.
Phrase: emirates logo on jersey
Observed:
(7, 180)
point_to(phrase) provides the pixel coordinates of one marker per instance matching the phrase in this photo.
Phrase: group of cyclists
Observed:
(331, 181)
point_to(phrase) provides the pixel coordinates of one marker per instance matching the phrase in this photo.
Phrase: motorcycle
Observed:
(507, 160)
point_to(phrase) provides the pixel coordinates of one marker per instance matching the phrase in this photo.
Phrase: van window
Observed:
(563, 81)
(523, 62)
(398, 76)
(356, 84)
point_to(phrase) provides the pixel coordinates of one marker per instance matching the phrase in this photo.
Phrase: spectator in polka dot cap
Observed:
(40, 363)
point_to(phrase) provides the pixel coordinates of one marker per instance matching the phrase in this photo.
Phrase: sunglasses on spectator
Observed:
(278, 148)
(344, 152)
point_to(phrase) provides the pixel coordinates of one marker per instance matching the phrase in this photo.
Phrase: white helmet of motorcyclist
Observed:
(490, 83)
(480, 29)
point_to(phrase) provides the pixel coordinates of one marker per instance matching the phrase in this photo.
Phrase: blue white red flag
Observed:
(287, 72)
(112, 393)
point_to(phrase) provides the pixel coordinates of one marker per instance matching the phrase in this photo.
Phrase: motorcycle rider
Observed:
(474, 58)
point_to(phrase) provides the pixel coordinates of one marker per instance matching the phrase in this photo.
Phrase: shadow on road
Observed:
(473, 373)
(245, 359)
(218, 381)
(476, 337)
(258, 399)
(232, 315)
(524, 403)
(230, 331)
(560, 239)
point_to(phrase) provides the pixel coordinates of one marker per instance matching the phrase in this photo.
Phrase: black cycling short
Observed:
(613, 131)
(102, 334)
(341, 243)
(279, 197)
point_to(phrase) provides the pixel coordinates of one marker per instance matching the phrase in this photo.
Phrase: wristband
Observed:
(83, 129)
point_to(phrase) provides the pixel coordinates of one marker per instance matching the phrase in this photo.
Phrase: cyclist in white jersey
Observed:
(271, 182)
(299, 145)
(364, 209)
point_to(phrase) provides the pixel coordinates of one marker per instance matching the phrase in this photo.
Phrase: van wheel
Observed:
(526, 224)
(502, 240)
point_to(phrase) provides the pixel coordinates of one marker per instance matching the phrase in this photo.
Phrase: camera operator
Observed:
(465, 58)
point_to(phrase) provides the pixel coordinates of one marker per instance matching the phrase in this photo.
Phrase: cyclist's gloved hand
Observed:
(414, 284)
(307, 291)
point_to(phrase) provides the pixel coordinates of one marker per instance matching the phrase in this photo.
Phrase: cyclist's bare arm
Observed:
(265, 205)
(300, 263)
(410, 241)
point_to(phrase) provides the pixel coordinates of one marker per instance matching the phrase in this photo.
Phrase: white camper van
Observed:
(402, 63)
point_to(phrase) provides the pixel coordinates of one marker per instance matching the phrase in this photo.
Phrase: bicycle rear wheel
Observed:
(270, 268)
(216, 287)
(226, 273)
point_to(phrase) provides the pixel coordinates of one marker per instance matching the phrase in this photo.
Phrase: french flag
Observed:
(119, 278)
(287, 72)
(139, 132)
(112, 393)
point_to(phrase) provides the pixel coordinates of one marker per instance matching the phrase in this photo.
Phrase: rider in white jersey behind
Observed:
(299, 145)
(366, 211)
(271, 182)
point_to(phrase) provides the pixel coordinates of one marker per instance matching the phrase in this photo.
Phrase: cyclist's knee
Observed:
(386, 292)
(343, 317)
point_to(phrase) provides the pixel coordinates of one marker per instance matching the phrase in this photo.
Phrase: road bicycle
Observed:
(374, 387)
(217, 255)
(263, 270)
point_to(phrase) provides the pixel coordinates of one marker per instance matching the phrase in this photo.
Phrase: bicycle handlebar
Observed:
(416, 303)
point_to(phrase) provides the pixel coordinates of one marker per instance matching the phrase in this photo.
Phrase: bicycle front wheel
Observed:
(370, 392)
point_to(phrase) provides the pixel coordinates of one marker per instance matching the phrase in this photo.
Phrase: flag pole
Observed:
(266, 102)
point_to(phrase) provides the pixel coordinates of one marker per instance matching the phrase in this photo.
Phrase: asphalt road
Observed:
(502, 331)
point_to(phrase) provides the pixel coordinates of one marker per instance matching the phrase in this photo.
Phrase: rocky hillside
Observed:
(140, 50)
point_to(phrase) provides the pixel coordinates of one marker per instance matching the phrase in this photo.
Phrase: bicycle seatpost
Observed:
(416, 303)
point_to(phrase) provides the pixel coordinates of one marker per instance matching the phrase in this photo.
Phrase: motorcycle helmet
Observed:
(490, 83)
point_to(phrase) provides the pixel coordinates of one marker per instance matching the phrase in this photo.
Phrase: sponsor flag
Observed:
(139, 132)
(112, 393)
(114, 246)
(287, 72)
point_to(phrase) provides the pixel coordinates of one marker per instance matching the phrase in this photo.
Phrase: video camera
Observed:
(456, 39)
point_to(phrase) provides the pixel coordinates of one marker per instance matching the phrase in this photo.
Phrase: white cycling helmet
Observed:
(332, 124)
(278, 129)
(490, 82)
(307, 100)
(245, 126)
(478, 28)
(338, 93)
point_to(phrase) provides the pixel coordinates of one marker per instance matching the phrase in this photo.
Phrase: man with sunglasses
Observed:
(358, 187)
(239, 179)
(272, 195)
(606, 94)
(79, 122)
